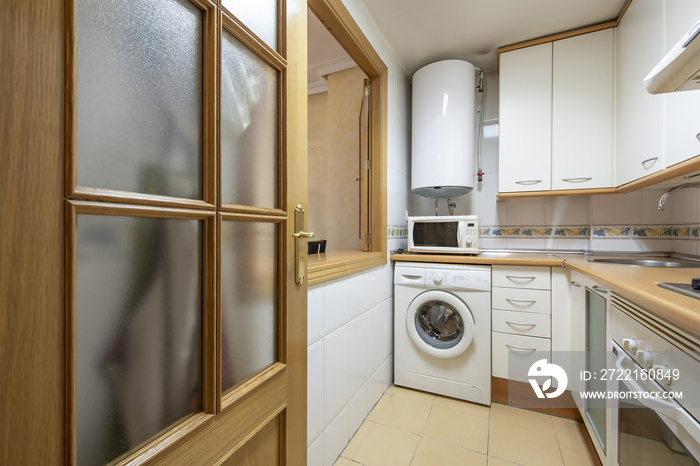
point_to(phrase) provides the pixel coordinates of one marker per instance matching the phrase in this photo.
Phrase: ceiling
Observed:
(424, 31)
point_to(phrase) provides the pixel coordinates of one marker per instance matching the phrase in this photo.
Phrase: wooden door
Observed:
(155, 155)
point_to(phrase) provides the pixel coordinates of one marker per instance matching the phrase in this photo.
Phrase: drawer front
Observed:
(522, 351)
(537, 278)
(513, 299)
(521, 323)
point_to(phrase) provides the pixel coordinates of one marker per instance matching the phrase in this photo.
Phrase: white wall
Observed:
(619, 222)
(350, 333)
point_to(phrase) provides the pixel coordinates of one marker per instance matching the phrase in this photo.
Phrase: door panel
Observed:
(139, 96)
(222, 373)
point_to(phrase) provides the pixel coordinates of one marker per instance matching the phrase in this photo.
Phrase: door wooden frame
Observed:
(340, 23)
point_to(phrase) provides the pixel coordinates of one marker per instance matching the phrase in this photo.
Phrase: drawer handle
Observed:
(520, 348)
(522, 325)
(576, 180)
(525, 301)
(652, 160)
(576, 284)
(527, 182)
(413, 277)
(513, 277)
(600, 289)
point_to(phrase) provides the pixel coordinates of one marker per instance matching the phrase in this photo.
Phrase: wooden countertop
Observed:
(638, 284)
(486, 258)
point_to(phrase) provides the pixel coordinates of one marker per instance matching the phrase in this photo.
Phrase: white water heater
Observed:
(443, 129)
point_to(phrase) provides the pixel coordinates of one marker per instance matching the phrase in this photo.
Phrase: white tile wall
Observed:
(349, 365)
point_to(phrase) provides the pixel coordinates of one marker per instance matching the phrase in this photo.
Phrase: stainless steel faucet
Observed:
(662, 201)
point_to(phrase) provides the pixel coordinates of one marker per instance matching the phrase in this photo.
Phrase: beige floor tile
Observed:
(528, 445)
(499, 462)
(379, 445)
(432, 452)
(408, 393)
(459, 429)
(465, 407)
(572, 443)
(345, 462)
(645, 451)
(409, 413)
(519, 417)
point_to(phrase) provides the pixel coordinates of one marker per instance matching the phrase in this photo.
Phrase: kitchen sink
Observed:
(665, 262)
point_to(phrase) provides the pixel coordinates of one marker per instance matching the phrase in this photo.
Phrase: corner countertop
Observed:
(486, 258)
(638, 284)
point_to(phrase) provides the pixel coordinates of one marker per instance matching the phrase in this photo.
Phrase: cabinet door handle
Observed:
(600, 289)
(528, 182)
(522, 325)
(576, 284)
(652, 160)
(520, 348)
(577, 180)
(513, 277)
(520, 301)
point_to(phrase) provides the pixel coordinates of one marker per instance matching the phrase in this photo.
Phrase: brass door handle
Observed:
(300, 249)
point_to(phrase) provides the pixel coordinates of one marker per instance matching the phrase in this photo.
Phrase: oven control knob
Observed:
(439, 278)
(662, 374)
(629, 345)
(644, 359)
(470, 242)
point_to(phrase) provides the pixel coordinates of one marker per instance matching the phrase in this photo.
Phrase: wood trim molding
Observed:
(563, 192)
(339, 22)
(521, 394)
(567, 34)
(325, 267)
(674, 171)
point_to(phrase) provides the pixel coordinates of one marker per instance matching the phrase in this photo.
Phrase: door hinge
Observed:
(368, 239)
(368, 164)
(368, 90)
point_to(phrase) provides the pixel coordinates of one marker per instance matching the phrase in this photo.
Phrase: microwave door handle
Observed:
(461, 233)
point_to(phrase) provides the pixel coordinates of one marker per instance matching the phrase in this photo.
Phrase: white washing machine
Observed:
(442, 329)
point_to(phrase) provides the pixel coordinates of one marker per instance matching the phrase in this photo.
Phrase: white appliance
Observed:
(458, 234)
(442, 329)
(679, 70)
(443, 129)
(647, 426)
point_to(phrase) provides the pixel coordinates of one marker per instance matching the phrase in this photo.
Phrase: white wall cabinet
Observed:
(556, 115)
(640, 123)
(582, 111)
(682, 108)
(525, 119)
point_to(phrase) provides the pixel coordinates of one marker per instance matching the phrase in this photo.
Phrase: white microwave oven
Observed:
(457, 234)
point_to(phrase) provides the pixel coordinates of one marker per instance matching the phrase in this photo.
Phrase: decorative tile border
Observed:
(535, 232)
(396, 232)
(690, 232)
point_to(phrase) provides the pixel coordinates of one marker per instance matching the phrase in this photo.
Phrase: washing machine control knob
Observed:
(439, 278)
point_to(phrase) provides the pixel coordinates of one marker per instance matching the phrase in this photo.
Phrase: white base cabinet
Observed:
(520, 319)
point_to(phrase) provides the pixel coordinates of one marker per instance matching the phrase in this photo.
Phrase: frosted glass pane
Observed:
(259, 16)
(139, 327)
(249, 147)
(248, 300)
(139, 100)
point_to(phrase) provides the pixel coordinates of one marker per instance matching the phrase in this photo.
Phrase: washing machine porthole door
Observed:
(440, 324)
